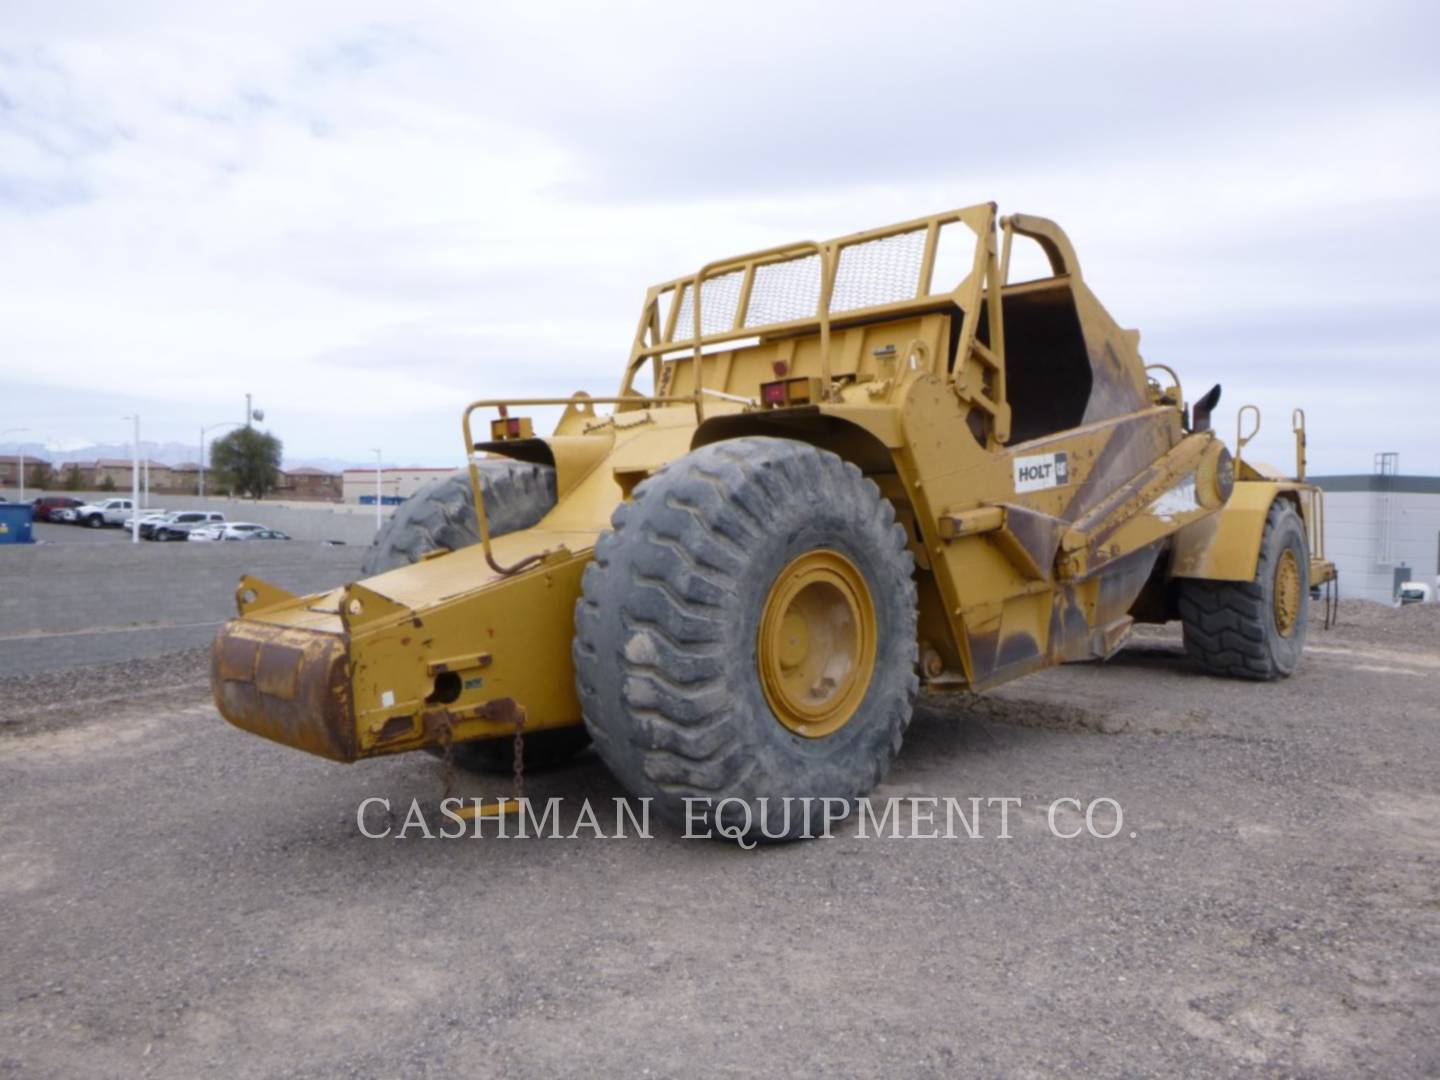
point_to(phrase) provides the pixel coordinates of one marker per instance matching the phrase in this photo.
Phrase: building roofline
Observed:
(1408, 485)
(371, 471)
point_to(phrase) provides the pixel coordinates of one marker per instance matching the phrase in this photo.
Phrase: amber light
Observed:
(510, 427)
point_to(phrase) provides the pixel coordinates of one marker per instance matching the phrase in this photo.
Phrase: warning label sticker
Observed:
(1040, 471)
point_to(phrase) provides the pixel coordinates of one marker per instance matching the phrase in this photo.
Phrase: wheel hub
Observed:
(1287, 593)
(816, 648)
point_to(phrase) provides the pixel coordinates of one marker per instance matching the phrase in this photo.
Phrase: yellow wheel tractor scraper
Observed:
(831, 475)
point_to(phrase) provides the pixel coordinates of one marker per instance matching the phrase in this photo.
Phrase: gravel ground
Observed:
(187, 900)
(49, 699)
(46, 532)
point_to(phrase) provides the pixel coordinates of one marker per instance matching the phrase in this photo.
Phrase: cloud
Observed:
(367, 218)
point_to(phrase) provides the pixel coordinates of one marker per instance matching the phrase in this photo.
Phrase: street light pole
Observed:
(135, 482)
(379, 491)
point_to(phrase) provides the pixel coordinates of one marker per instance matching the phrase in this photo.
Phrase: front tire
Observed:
(1254, 629)
(441, 514)
(746, 633)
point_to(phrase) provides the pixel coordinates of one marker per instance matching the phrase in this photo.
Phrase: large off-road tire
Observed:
(1254, 629)
(442, 513)
(692, 673)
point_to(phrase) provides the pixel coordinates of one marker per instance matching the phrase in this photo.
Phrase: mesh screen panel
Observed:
(719, 300)
(874, 272)
(784, 291)
(878, 271)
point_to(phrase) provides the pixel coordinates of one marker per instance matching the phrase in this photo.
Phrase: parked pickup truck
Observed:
(1413, 592)
(107, 512)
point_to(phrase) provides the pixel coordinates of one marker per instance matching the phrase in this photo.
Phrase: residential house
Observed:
(10, 469)
(184, 479)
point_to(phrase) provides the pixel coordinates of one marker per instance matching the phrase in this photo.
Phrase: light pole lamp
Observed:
(20, 447)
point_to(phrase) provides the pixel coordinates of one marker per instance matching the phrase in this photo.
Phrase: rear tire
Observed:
(674, 662)
(1254, 629)
(442, 514)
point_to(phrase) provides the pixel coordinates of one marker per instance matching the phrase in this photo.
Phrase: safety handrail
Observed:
(978, 217)
(1241, 439)
(503, 405)
(1297, 425)
(1174, 381)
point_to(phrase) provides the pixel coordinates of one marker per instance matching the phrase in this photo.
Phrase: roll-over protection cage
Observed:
(808, 287)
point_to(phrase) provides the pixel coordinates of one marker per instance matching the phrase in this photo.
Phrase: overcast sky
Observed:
(367, 214)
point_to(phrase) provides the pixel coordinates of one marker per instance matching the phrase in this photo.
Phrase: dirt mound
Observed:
(1415, 626)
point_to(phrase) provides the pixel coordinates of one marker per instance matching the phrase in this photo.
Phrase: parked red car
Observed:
(48, 504)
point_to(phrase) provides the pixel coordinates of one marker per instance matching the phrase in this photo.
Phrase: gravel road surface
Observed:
(185, 900)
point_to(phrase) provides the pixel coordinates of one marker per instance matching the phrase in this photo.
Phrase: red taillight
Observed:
(787, 392)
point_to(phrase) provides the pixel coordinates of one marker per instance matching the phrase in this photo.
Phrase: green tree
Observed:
(72, 478)
(247, 461)
(108, 483)
(41, 476)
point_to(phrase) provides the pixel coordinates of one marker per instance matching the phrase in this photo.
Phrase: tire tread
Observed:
(696, 518)
(1224, 622)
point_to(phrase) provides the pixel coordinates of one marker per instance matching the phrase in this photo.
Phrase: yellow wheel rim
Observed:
(817, 643)
(1287, 593)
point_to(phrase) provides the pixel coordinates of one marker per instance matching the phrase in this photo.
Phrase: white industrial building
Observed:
(393, 485)
(1382, 529)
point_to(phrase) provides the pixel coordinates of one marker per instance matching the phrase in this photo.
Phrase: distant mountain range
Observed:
(168, 453)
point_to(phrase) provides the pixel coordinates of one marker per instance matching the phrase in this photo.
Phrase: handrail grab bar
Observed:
(503, 404)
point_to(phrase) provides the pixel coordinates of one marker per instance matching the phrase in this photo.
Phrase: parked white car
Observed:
(206, 533)
(180, 525)
(107, 512)
(150, 515)
(237, 530)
